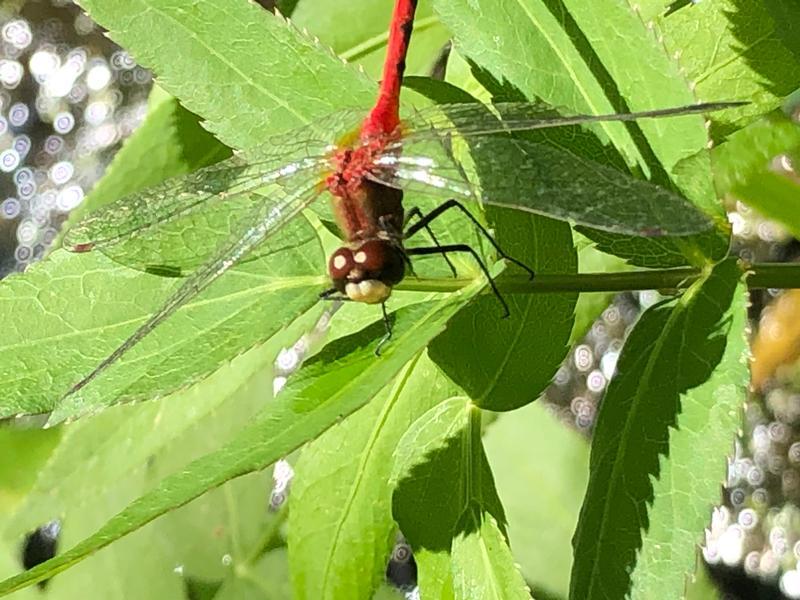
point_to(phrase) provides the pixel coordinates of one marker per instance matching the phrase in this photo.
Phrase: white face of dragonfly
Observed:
(368, 271)
(370, 291)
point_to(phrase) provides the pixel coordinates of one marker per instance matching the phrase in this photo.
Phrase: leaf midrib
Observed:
(281, 284)
(362, 467)
(652, 361)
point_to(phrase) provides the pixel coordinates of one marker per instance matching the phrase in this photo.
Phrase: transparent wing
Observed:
(266, 218)
(530, 176)
(482, 119)
(174, 227)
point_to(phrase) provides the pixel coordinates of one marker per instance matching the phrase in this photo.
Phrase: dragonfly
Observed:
(365, 171)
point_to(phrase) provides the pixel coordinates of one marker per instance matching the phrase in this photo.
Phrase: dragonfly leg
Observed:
(330, 294)
(463, 248)
(452, 203)
(386, 336)
(416, 212)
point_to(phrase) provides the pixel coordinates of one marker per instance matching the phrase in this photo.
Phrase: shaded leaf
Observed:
(540, 467)
(661, 252)
(690, 476)
(787, 27)
(674, 347)
(497, 373)
(439, 469)
(750, 60)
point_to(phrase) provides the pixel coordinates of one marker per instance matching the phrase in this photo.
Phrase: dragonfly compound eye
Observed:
(380, 259)
(340, 264)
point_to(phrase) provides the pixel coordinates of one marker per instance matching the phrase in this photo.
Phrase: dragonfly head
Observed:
(366, 272)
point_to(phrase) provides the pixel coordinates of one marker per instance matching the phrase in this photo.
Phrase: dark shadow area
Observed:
(200, 589)
(401, 570)
(40, 546)
(434, 487)
(735, 584)
(760, 36)
(676, 6)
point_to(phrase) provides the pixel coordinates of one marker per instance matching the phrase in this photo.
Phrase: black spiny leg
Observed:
(386, 336)
(452, 203)
(330, 294)
(416, 212)
(462, 248)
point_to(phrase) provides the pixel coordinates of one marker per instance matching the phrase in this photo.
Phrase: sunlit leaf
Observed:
(341, 529)
(305, 409)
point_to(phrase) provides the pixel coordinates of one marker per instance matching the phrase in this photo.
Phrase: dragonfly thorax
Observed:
(352, 165)
(367, 272)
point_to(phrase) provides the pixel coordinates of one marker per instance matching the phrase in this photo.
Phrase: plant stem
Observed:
(760, 275)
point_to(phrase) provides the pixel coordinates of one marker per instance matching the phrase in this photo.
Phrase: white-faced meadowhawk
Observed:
(364, 166)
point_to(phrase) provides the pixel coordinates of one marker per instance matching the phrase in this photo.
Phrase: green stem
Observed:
(761, 275)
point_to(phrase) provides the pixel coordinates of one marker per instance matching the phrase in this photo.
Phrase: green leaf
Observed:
(304, 410)
(243, 70)
(750, 60)
(689, 480)
(483, 568)
(439, 470)
(244, 309)
(341, 529)
(583, 64)
(212, 75)
(169, 142)
(497, 373)
(743, 168)
(749, 151)
(30, 449)
(774, 195)
(674, 347)
(701, 586)
(583, 57)
(540, 467)
(106, 462)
